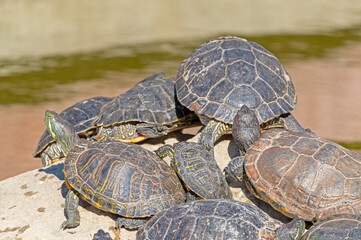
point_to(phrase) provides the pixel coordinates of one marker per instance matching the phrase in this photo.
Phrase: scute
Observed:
(123, 178)
(152, 100)
(252, 75)
(200, 172)
(303, 175)
(210, 219)
(336, 227)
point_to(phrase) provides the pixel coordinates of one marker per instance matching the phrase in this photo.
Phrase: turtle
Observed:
(148, 110)
(117, 177)
(80, 115)
(297, 173)
(223, 74)
(218, 219)
(197, 169)
(336, 227)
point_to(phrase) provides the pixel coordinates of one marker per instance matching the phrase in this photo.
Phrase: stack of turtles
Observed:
(230, 85)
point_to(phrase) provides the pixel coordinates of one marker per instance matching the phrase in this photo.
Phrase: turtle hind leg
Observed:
(71, 210)
(212, 132)
(130, 223)
(51, 154)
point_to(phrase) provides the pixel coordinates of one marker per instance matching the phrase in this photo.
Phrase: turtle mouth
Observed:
(55, 160)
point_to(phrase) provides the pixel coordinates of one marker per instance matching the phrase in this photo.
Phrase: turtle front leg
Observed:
(71, 210)
(212, 132)
(234, 171)
(130, 223)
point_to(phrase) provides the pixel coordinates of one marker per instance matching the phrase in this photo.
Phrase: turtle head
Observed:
(61, 130)
(166, 151)
(292, 230)
(245, 128)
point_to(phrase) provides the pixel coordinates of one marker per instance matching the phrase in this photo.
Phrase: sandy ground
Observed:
(329, 102)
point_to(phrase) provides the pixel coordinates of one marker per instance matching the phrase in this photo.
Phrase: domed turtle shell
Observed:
(303, 175)
(80, 115)
(211, 219)
(220, 76)
(150, 101)
(336, 227)
(199, 171)
(122, 178)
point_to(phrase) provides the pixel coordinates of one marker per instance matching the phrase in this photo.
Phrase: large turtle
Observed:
(336, 227)
(117, 177)
(148, 110)
(80, 115)
(197, 169)
(220, 76)
(218, 219)
(298, 173)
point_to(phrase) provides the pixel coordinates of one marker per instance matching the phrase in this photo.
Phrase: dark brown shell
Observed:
(152, 101)
(220, 76)
(122, 178)
(303, 175)
(199, 171)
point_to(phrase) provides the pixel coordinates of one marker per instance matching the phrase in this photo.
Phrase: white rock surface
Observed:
(32, 203)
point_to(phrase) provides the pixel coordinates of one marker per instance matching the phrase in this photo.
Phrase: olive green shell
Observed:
(336, 227)
(152, 101)
(199, 171)
(122, 178)
(220, 76)
(303, 175)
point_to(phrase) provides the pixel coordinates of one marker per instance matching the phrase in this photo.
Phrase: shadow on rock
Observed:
(55, 169)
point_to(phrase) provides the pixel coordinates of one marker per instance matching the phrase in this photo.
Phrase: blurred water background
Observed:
(54, 53)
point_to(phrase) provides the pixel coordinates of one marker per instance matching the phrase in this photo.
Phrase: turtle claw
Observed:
(69, 224)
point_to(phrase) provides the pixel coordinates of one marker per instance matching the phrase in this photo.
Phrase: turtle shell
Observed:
(220, 76)
(210, 219)
(303, 175)
(122, 178)
(152, 101)
(199, 171)
(336, 227)
(80, 115)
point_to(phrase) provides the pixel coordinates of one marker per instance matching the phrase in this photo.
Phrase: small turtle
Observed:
(220, 76)
(80, 115)
(116, 177)
(148, 110)
(218, 219)
(298, 173)
(198, 170)
(336, 227)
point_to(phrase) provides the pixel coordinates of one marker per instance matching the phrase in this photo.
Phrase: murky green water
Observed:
(33, 81)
